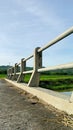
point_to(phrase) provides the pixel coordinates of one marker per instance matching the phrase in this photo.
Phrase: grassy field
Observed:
(55, 82)
(55, 77)
(3, 75)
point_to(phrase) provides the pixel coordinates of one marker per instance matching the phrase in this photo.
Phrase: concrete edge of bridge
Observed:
(55, 99)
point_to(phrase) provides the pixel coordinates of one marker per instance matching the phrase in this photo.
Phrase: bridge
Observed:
(15, 74)
(15, 77)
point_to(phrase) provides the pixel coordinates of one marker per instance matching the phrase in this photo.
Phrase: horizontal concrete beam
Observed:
(62, 66)
(57, 100)
(57, 39)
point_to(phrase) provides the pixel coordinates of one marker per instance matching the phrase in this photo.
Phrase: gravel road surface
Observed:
(20, 110)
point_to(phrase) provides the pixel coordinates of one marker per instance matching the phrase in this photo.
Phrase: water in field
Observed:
(67, 93)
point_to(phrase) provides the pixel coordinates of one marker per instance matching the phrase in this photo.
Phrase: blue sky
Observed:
(27, 24)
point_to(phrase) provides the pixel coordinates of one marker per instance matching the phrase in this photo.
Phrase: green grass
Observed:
(55, 77)
(55, 82)
(3, 75)
(27, 77)
(50, 77)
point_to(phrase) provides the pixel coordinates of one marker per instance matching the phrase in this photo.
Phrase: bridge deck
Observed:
(22, 111)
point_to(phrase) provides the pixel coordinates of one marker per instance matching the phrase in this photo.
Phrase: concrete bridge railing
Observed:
(15, 74)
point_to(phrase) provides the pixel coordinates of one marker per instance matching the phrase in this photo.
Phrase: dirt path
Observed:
(22, 111)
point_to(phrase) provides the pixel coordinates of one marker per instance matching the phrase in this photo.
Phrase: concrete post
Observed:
(34, 80)
(8, 74)
(14, 77)
(22, 69)
(11, 73)
(15, 70)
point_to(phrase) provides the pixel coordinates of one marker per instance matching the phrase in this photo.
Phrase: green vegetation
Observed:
(54, 82)
(3, 71)
(45, 77)
(27, 77)
(57, 80)
(3, 75)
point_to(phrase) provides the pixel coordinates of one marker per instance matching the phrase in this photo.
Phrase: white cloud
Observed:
(46, 16)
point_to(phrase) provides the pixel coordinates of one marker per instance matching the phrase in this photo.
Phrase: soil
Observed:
(20, 110)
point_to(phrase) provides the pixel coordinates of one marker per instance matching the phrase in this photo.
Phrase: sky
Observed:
(27, 24)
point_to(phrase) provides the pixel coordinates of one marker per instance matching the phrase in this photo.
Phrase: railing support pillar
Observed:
(12, 71)
(8, 73)
(34, 80)
(14, 77)
(23, 67)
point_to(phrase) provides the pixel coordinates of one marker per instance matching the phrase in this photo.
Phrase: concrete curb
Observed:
(57, 100)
